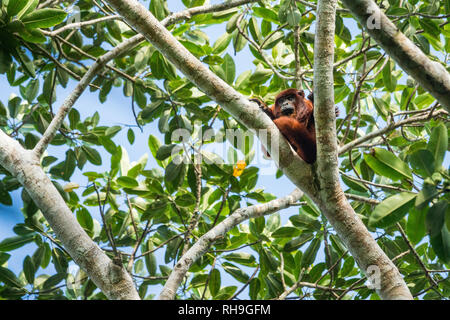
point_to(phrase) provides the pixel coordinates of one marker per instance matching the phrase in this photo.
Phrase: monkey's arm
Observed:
(264, 108)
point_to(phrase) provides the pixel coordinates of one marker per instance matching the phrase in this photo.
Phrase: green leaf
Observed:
(390, 81)
(438, 144)
(298, 242)
(112, 131)
(9, 278)
(156, 208)
(30, 6)
(437, 229)
(293, 16)
(214, 282)
(243, 258)
(310, 253)
(150, 259)
(286, 232)
(33, 35)
(415, 227)
(391, 210)
(266, 14)
(26, 63)
(92, 155)
(54, 280)
(425, 195)
(225, 293)
(235, 272)
(165, 151)
(173, 170)
(422, 162)
(127, 182)
(5, 61)
(84, 218)
(15, 242)
(354, 185)
(29, 269)
(387, 164)
(229, 69)
(255, 31)
(130, 136)
(44, 18)
(222, 43)
(185, 200)
(15, 6)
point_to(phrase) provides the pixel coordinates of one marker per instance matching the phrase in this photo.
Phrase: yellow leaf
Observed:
(71, 186)
(239, 168)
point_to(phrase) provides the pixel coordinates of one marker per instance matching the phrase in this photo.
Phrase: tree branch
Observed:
(330, 198)
(429, 74)
(107, 275)
(205, 241)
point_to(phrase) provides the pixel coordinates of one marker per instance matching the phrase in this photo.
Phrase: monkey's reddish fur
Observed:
(298, 126)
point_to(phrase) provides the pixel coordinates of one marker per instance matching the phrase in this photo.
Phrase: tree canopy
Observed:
(187, 222)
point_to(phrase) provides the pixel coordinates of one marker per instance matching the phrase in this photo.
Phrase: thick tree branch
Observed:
(330, 197)
(205, 241)
(429, 74)
(110, 277)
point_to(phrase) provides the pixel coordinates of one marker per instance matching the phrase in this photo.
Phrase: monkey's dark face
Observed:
(287, 104)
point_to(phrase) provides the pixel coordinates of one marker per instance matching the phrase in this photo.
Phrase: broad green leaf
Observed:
(30, 6)
(415, 227)
(44, 18)
(9, 278)
(225, 293)
(286, 232)
(355, 185)
(112, 131)
(54, 280)
(84, 218)
(166, 151)
(173, 170)
(26, 63)
(390, 81)
(310, 253)
(294, 16)
(130, 136)
(214, 282)
(222, 43)
(92, 155)
(266, 14)
(255, 31)
(150, 258)
(438, 231)
(235, 272)
(422, 162)
(391, 210)
(425, 195)
(438, 144)
(243, 258)
(185, 200)
(33, 35)
(14, 7)
(387, 164)
(229, 69)
(298, 242)
(29, 269)
(127, 182)
(15, 242)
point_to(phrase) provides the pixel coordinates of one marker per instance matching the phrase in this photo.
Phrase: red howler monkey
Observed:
(294, 117)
